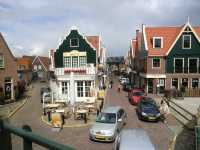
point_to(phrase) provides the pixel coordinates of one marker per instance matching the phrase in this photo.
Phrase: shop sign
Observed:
(82, 71)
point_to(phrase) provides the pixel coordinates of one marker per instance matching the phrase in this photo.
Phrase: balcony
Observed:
(86, 70)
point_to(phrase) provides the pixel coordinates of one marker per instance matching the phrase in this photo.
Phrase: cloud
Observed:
(38, 25)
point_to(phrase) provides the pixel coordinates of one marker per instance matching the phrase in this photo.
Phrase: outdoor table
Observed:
(52, 105)
(60, 110)
(83, 114)
(89, 107)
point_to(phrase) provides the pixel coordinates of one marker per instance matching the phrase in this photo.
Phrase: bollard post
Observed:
(5, 137)
(27, 143)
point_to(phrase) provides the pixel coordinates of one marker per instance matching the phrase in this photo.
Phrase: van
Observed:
(133, 139)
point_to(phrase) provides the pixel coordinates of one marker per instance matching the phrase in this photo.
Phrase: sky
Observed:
(34, 27)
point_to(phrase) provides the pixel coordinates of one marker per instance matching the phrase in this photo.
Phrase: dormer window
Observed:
(186, 42)
(157, 42)
(74, 42)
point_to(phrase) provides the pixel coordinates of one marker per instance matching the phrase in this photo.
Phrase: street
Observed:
(31, 113)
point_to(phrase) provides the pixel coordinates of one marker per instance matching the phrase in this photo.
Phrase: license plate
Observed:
(151, 118)
(99, 137)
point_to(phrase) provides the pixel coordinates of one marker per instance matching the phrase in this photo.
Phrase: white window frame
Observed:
(74, 45)
(174, 78)
(183, 37)
(82, 62)
(39, 67)
(73, 62)
(65, 87)
(154, 38)
(3, 63)
(189, 63)
(67, 61)
(87, 86)
(35, 67)
(182, 65)
(83, 92)
(152, 63)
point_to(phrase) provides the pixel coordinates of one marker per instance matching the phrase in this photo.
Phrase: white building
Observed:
(74, 67)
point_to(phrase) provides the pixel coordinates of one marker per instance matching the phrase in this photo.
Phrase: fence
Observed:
(192, 92)
(28, 138)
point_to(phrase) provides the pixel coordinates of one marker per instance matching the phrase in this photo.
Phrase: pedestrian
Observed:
(119, 88)
(164, 109)
(111, 83)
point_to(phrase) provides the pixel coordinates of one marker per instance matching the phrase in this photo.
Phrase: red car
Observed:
(136, 95)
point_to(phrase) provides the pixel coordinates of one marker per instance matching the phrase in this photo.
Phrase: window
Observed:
(185, 82)
(82, 61)
(39, 67)
(193, 65)
(74, 61)
(74, 42)
(157, 42)
(178, 65)
(87, 88)
(67, 61)
(195, 82)
(1, 61)
(21, 67)
(156, 62)
(64, 88)
(186, 42)
(175, 83)
(80, 88)
(35, 67)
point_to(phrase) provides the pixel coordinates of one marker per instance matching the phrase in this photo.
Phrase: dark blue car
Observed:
(148, 110)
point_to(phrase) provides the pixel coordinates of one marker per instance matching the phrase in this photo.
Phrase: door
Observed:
(150, 85)
(7, 90)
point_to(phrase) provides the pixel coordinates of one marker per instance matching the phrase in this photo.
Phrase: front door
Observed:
(7, 90)
(150, 85)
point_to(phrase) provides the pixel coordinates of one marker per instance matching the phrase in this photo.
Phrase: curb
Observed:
(67, 126)
(172, 142)
(16, 109)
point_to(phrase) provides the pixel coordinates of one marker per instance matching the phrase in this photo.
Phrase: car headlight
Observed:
(158, 115)
(144, 114)
(108, 132)
(91, 131)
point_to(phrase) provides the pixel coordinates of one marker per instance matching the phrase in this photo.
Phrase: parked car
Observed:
(135, 97)
(108, 124)
(148, 110)
(127, 87)
(130, 139)
(124, 81)
(44, 89)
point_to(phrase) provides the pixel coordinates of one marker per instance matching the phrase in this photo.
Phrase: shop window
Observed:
(185, 82)
(80, 88)
(175, 83)
(87, 88)
(64, 88)
(195, 82)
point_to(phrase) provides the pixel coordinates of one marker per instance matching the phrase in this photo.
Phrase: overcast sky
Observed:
(32, 27)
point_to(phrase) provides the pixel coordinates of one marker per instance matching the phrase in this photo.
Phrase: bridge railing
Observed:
(28, 136)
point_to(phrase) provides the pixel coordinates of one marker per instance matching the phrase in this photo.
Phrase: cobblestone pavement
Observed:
(78, 137)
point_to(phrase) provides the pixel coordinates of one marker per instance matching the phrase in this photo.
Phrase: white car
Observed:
(124, 80)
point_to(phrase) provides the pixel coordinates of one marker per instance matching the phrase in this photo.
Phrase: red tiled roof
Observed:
(94, 41)
(45, 61)
(168, 34)
(26, 62)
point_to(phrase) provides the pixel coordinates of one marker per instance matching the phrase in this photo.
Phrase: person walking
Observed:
(164, 109)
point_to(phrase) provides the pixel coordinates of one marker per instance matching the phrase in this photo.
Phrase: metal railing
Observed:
(28, 136)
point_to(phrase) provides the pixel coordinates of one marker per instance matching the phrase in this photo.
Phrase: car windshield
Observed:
(106, 118)
(148, 104)
(138, 94)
